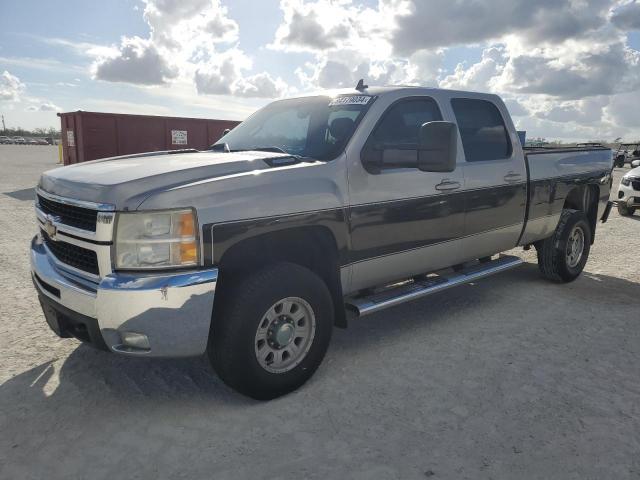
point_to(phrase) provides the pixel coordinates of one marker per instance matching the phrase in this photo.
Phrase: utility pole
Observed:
(4, 128)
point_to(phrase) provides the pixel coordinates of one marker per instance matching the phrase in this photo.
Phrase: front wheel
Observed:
(562, 256)
(624, 210)
(271, 330)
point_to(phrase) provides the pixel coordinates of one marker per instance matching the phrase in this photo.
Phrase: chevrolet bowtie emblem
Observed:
(50, 228)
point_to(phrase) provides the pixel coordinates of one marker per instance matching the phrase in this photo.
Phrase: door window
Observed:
(482, 130)
(401, 123)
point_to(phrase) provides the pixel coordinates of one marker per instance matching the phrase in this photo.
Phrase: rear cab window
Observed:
(482, 129)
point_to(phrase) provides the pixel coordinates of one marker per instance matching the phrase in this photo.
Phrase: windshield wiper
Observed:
(220, 147)
(224, 147)
(263, 149)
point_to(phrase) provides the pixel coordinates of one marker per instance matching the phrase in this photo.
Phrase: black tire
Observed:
(552, 252)
(232, 340)
(624, 210)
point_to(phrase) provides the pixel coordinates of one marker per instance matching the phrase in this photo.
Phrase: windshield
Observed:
(315, 127)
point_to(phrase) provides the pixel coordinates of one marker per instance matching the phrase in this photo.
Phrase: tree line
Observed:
(36, 132)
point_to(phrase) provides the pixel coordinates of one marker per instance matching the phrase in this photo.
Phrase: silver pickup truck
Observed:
(314, 211)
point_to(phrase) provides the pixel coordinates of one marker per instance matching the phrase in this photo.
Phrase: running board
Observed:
(419, 288)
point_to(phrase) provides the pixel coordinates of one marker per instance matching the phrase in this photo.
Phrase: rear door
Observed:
(495, 176)
(402, 219)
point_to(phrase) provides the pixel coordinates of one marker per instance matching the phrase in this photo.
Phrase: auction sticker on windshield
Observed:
(350, 100)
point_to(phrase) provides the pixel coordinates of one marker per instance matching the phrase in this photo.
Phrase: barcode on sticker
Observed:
(350, 100)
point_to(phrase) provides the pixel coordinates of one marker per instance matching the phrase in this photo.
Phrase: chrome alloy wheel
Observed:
(575, 246)
(285, 335)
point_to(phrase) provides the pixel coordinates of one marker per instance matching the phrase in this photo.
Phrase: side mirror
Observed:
(635, 163)
(376, 158)
(438, 147)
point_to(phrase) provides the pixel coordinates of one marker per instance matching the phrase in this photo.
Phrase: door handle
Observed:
(447, 185)
(512, 177)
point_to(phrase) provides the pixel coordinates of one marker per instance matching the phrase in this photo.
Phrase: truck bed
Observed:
(553, 172)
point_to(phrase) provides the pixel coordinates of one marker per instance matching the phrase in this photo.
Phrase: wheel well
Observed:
(585, 198)
(312, 247)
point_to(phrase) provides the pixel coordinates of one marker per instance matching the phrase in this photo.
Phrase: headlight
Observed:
(148, 240)
(626, 181)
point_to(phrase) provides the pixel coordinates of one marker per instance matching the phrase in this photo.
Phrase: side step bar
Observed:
(419, 288)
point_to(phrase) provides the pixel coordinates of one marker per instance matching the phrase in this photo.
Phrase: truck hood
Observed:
(126, 181)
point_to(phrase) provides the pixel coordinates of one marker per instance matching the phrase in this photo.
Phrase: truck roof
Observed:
(391, 89)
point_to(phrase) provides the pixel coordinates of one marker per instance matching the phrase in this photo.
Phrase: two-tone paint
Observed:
(385, 226)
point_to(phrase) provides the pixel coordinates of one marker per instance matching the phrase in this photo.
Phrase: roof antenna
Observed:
(361, 86)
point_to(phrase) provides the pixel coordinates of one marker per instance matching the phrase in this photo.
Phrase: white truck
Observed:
(314, 211)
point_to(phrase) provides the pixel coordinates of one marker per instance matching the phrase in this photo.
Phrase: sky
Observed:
(567, 69)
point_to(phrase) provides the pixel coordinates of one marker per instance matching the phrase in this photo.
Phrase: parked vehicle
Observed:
(19, 140)
(31, 141)
(41, 141)
(626, 153)
(629, 191)
(314, 211)
(5, 140)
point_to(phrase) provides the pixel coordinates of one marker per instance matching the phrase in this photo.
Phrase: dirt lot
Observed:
(510, 378)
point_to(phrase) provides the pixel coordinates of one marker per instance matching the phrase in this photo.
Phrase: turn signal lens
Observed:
(187, 225)
(188, 253)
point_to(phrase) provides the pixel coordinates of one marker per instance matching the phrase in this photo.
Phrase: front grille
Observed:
(636, 184)
(72, 255)
(78, 217)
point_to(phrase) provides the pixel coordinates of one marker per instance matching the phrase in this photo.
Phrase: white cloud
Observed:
(183, 24)
(627, 16)
(622, 111)
(440, 23)
(516, 109)
(321, 25)
(186, 46)
(312, 26)
(478, 76)
(222, 75)
(564, 67)
(44, 107)
(217, 77)
(261, 85)
(137, 61)
(572, 73)
(10, 87)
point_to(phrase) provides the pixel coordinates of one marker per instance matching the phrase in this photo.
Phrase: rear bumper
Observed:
(173, 310)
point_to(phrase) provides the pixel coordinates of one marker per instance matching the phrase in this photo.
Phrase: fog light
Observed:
(620, 194)
(135, 340)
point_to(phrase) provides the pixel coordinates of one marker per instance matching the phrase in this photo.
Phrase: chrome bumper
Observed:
(173, 311)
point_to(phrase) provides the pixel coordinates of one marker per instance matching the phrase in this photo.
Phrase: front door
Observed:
(403, 221)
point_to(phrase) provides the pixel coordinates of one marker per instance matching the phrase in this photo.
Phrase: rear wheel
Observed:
(271, 330)
(562, 256)
(624, 210)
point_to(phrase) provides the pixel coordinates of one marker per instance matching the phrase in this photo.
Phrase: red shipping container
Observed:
(91, 135)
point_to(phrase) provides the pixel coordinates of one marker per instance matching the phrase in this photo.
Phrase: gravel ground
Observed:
(512, 377)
